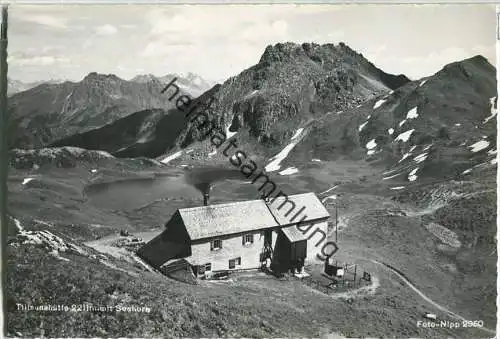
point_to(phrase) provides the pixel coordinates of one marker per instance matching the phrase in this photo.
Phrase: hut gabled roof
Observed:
(246, 216)
(223, 219)
(309, 203)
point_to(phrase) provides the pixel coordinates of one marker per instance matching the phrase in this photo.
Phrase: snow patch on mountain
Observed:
(169, 158)
(230, 134)
(289, 171)
(360, 128)
(379, 103)
(412, 175)
(46, 239)
(275, 161)
(412, 114)
(406, 155)
(421, 157)
(371, 144)
(479, 146)
(405, 136)
(19, 227)
(297, 133)
(493, 110)
(390, 171)
(27, 180)
(391, 176)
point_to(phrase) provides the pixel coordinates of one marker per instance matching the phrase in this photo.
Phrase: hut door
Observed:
(298, 254)
(268, 237)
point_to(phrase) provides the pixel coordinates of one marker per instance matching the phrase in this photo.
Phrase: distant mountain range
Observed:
(331, 98)
(16, 86)
(191, 83)
(291, 84)
(48, 112)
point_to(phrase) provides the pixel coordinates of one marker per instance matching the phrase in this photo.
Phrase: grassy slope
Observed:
(248, 307)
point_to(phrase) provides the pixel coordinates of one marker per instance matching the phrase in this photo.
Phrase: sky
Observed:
(219, 41)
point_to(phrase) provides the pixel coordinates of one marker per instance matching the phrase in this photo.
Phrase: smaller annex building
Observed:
(241, 235)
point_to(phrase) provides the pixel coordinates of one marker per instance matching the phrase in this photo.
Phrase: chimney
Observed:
(206, 195)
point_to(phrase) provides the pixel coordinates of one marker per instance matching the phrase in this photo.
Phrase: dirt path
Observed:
(426, 298)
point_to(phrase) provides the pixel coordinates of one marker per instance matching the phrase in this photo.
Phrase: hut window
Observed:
(248, 239)
(235, 262)
(215, 244)
(204, 268)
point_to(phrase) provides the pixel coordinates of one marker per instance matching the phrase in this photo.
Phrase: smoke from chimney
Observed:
(204, 178)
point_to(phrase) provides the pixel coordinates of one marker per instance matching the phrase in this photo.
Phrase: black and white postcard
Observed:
(250, 171)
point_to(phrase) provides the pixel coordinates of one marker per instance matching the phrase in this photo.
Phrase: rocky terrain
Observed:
(291, 85)
(291, 82)
(441, 125)
(410, 167)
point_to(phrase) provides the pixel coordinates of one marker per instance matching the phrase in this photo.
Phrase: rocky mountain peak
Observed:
(287, 51)
(94, 76)
(476, 67)
(278, 53)
(477, 59)
(325, 57)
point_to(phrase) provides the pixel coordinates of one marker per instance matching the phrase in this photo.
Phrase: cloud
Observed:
(488, 52)
(128, 26)
(158, 49)
(164, 25)
(45, 20)
(330, 37)
(263, 32)
(38, 60)
(87, 43)
(106, 30)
